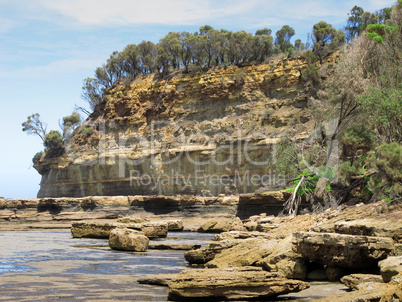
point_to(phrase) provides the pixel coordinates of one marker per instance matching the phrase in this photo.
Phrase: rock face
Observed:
(186, 134)
(230, 284)
(128, 240)
(390, 267)
(339, 250)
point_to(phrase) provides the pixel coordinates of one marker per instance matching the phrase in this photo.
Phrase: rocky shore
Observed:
(256, 257)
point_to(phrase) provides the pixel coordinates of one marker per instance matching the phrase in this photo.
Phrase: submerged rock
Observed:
(230, 283)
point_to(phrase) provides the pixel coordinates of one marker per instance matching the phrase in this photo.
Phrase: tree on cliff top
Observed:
(34, 125)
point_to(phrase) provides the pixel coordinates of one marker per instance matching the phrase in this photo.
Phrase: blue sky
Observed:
(49, 46)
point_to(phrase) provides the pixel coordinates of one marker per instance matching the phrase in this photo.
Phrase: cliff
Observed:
(205, 133)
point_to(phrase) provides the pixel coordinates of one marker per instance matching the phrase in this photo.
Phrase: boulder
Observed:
(246, 253)
(283, 259)
(222, 225)
(347, 251)
(175, 225)
(128, 240)
(390, 267)
(230, 283)
(352, 281)
(153, 229)
(207, 253)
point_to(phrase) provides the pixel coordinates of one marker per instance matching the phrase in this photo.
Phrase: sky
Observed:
(48, 47)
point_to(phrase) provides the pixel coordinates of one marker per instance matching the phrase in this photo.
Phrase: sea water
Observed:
(47, 266)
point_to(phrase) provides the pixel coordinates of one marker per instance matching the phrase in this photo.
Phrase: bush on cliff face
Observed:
(54, 144)
(387, 161)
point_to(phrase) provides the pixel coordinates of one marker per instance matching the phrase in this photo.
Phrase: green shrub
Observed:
(54, 144)
(387, 160)
(357, 141)
(37, 157)
(86, 131)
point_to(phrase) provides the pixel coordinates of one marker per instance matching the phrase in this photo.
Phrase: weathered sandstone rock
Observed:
(173, 246)
(348, 251)
(285, 260)
(265, 97)
(230, 284)
(93, 229)
(207, 253)
(390, 267)
(242, 235)
(102, 228)
(352, 281)
(128, 240)
(222, 225)
(246, 253)
(378, 292)
(159, 279)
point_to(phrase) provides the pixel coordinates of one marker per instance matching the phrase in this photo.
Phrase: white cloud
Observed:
(53, 69)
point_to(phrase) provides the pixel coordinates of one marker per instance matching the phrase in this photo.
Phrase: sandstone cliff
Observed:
(208, 133)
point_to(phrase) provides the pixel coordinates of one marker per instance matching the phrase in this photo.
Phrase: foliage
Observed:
(387, 161)
(86, 130)
(383, 109)
(37, 156)
(326, 39)
(377, 32)
(92, 92)
(34, 125)
(283, 37)
(357, 141)
(54, 144)
(70, 123)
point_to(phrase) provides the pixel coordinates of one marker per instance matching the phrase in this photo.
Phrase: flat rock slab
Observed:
(173, 246)
(230, 283)
(352, 281)
(159, 279)
(102, 228)
(347, 251)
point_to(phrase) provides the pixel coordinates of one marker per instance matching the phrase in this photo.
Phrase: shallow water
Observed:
(53, 266)
(47, 266)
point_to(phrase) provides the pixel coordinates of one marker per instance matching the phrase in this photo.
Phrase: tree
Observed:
(171, 44)
(354, 23)
(34, 125)
(54, 144)
(261, 47)
(326, 39)
(283, 37)
(130, 60)
(70, 123)
(263, 32)
(92, 92)
(147, 56)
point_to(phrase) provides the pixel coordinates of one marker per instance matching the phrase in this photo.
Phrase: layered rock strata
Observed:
(206, 133)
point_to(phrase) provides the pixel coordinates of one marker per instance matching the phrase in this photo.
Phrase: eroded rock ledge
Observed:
(63, 211)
